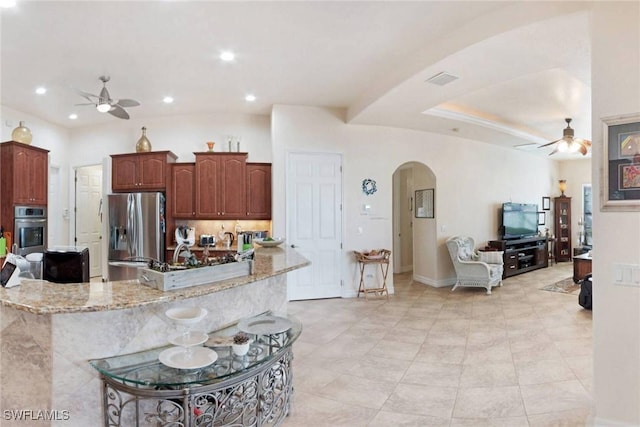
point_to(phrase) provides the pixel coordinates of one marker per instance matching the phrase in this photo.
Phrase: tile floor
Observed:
(432, 357)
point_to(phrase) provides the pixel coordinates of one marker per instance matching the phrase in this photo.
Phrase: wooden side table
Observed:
(381, 259)
(581, 267)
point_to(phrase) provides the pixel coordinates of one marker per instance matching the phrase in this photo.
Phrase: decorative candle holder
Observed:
(210, 145)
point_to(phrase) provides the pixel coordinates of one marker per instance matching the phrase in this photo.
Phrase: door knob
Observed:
(293, 246)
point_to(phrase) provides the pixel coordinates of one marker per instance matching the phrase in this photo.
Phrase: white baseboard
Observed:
(435, 283)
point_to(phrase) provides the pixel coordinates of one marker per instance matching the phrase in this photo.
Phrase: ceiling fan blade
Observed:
(118, 112)
(127, 103)
(555, 150)
(550, 143)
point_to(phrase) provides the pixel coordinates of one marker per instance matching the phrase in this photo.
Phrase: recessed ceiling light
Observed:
(250, 98)
(227, 55)
(73, 116)
(41, 90)
(167, 100)
(7, 3)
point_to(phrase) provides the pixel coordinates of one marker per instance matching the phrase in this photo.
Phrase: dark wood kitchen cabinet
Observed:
(182, 194)
(258, 191)
(220, 185)
(140, 171)
(25, 171)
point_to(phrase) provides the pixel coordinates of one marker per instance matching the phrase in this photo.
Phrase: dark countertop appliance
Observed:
(66, 264)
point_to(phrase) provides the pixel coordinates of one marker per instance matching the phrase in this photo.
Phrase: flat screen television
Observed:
(519, 220)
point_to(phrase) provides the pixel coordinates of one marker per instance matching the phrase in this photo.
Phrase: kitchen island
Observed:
(50, 331)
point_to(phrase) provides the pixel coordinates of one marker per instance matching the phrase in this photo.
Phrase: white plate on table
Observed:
(189, 338)
(264, 325)
(187, 358)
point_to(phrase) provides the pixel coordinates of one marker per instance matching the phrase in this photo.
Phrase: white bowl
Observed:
(186, 315)
(270, 243)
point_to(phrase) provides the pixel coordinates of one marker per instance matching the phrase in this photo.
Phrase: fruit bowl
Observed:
(186, 315)
(270, 243)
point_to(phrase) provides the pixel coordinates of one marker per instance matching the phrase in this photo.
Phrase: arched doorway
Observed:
(414, 238)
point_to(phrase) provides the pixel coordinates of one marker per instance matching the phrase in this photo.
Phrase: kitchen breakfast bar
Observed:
(51, 331)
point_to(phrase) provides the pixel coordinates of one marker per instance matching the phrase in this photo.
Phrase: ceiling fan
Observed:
(569, 143)
(105, 104)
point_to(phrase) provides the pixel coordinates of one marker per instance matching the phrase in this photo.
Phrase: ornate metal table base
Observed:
(259, 396)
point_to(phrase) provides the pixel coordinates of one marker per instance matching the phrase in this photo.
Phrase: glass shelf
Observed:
(144, 370)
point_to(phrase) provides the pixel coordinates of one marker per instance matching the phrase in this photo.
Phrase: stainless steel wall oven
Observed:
(30, 231)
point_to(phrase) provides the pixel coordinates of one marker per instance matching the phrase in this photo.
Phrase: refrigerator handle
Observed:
(130, 223)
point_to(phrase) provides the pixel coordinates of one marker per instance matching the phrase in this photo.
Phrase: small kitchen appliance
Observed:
(185, 235)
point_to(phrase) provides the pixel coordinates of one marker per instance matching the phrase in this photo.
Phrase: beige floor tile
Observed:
(314, 411)
(543, 371)
(395, 350)
(572, 418)
(379, 369)
(488, 375)
(488, 402)
(367, 393)
(353, 363)
(388, 419)
(554, 397)
(433, 374)
(437, 353)
(422, 400)
(490, 422)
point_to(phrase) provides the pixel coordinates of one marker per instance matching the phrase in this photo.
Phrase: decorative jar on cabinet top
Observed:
(21, 134)
(143, 145)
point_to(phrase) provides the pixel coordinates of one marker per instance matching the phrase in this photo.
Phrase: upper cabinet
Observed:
(182, 194)
(220, 185)
(258, 191)
(140, 171)
(24, 174)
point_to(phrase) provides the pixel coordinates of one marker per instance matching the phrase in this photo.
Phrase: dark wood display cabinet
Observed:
(562, 223)
(522, 255)
(140, 171)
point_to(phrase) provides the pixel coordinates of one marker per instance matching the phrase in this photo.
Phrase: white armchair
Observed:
(474, 270)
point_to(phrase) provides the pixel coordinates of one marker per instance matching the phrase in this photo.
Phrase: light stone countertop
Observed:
(42, 297)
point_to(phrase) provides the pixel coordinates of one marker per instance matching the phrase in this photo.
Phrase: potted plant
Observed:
(240, 344)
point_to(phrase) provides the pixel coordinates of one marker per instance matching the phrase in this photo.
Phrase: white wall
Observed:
(473, 179)
(615, 74)
(183, 135)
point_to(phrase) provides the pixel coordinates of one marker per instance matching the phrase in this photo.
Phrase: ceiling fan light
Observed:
(563, 146)
(104, 107)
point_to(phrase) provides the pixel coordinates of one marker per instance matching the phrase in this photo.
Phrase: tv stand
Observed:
(522, 255)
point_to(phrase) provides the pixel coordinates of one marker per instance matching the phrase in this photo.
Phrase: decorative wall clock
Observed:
(369, 186)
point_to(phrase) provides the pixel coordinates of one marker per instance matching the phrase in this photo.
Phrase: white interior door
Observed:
(89, 214)
(314, 223)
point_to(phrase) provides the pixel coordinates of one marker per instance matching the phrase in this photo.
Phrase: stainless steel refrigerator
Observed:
(136, 232)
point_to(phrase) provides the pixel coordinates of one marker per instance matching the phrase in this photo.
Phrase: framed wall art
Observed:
(542, 218)
(425, 203)
(620, 171)
(546, 203)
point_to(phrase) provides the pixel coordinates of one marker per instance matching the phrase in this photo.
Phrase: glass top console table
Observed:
(250, 390)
